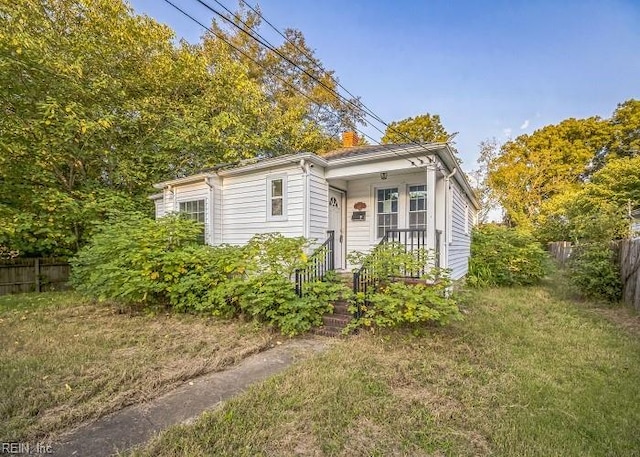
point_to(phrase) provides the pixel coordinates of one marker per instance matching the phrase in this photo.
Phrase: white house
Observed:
(358, 192)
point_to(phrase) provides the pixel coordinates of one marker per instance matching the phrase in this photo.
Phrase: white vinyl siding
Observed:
(159, 206)
(460, 245)
(318, 206)
(244, 205)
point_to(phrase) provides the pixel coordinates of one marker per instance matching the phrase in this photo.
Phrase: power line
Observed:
(264, 42)
(223, 38)
(318, 66)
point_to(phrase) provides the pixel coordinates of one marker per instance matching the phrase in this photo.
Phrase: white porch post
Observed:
(431, 207)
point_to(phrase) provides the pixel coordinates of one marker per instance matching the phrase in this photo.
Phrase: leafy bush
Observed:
(125, 259)
(594, 270)
(502, 256)
(139, 260)
(391, 302)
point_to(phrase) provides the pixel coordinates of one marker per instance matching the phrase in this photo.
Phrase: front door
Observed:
(336, 201)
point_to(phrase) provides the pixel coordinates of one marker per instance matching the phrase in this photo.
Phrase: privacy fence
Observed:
(628, 255)
(33, 275)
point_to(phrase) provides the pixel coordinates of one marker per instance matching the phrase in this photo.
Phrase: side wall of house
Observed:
(244, 205)
(462, 220)
(159, 205)
(318, 205)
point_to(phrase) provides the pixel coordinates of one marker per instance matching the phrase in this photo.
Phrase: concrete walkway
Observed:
(137, 424)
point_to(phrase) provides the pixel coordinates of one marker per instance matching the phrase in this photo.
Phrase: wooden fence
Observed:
(561, 251)
(629, 257)
(33, 275)
(628, 254)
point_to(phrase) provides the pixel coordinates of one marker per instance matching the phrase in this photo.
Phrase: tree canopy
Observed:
(567, 179)
(425, 128)
(97, 103)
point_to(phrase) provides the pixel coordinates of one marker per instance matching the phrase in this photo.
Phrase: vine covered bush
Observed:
(503, 256)
(148, 262)
(390, 302)
(594, 271)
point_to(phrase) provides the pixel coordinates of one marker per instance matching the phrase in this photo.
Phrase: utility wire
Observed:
(223, 38)
(231, 45)
(368, 110)
(264, 42)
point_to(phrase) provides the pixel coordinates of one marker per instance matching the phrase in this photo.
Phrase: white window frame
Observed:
(408, 205)
(190, 215)
(398, 212)
(277, 217)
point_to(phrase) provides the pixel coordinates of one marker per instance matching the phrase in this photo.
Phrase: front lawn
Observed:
(529, 372)
(64, 360)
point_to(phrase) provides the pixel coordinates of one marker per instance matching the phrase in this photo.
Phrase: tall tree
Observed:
(489, 203)
(299, 87)
(532, 169)
(425, 128)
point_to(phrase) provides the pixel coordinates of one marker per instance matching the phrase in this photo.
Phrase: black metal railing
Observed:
(321, 261)
(366, 278)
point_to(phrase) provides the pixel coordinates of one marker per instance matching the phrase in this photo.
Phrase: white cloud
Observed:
(506, 132)
(524, 125)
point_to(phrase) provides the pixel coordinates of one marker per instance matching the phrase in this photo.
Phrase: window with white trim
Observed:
(387, 210)
(418, 207)
(277, 198)
(194, 210)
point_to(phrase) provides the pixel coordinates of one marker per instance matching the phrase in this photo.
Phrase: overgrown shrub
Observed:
(125, 259)
(391, 302)
(502, 256)
(594, 270)
(149, 262)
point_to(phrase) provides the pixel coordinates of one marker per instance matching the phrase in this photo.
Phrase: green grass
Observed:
(64, 360)
(529, 372)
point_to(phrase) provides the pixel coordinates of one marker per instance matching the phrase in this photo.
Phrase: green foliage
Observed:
(139, 260)
(502, 256)
(99, 103)
(594, 270)
(425, 128)
(391, 302)
(558, 179)
(125, 260)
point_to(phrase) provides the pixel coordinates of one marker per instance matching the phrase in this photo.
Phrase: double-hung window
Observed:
(277, 198)
(387, 210)
(418, 207)
(194, 210)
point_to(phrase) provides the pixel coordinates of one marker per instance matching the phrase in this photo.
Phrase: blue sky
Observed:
(489, 69)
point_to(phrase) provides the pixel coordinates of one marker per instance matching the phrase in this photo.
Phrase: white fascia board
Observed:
(273, 163)
(185, 180)
(156, 196)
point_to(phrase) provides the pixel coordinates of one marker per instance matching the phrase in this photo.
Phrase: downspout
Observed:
(304, 165)
(207, 181)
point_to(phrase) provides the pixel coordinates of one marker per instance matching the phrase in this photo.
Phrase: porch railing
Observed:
(321, 261)
(411, 240)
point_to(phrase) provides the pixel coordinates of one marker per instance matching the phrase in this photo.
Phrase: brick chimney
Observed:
(349, 139)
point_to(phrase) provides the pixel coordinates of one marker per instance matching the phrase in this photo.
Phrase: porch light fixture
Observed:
(383, 175)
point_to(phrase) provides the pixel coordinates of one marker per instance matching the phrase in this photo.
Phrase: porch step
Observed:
(334, 323)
